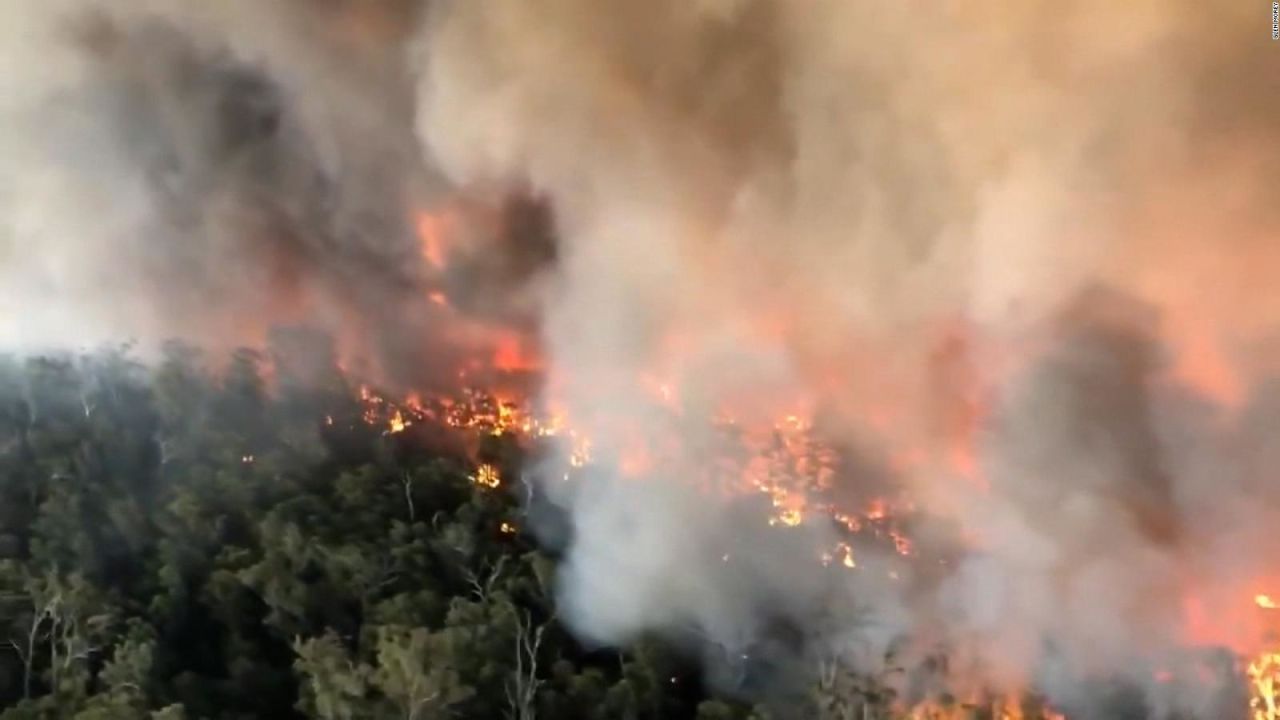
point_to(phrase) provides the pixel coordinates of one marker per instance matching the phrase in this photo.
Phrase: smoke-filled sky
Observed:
(1047, 232)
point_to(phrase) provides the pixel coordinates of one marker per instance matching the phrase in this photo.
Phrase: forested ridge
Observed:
(191, 538)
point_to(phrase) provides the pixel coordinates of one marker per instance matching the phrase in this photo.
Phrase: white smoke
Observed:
(209, 171)
(770, 206)
(763, 199)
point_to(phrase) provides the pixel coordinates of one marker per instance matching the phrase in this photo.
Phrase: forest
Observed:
(228, 538)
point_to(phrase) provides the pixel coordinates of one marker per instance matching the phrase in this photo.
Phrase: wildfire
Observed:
(843, 553)
(487, 476)
(580, 454)
(1008, 708)
(787, 462)
(1263, 672)
(789, 517)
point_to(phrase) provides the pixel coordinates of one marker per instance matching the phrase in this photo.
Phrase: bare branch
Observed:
(407, 480)
(482, 589)
(522, 687)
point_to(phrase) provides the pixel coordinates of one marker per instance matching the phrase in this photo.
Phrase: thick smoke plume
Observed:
(1026, 246)
(1039, 233)
(211, 172)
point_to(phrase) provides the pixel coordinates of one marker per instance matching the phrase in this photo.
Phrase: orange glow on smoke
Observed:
(1200, 363)
(775, 451)
(960, 409)
(511, 355)
(431, 235)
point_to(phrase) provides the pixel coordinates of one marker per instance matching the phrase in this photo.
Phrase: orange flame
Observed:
(487, 476)
(787, 462)
(1264, 676)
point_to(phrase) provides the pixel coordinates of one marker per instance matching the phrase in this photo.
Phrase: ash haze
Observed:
(1046, 232)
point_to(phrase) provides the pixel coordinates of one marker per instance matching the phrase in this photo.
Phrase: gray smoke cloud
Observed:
(211, 172)
(769, 204)
(150, 157)
(1041, 231)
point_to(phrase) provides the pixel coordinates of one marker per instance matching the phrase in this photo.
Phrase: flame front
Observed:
(786, 462)
(786, 459)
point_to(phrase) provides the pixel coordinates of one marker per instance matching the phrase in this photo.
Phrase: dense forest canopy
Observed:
(233, 538)
(184, 543)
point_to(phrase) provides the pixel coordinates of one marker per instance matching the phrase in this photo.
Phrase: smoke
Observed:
(211, 172)
(768, 203)
(1026, 246)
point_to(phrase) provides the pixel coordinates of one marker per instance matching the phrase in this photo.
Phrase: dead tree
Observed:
(43, 612)
(482, 587)
(57, 623)
(522, 687)
(407, 480)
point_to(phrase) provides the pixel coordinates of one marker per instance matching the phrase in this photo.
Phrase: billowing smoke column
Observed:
(1039, 235)
(212, 172)
(146, 156)
(1019, 255)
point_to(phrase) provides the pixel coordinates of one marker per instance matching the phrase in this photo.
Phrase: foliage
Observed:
(185, 543)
